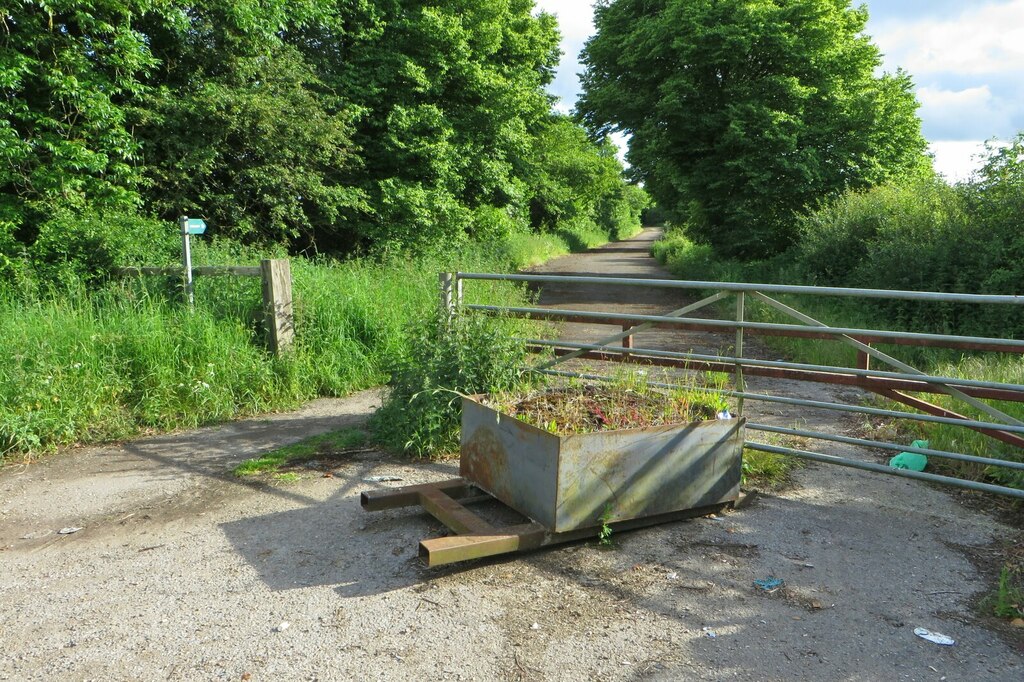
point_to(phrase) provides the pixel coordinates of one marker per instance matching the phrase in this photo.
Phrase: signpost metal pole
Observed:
(187, 258)
(189, 227)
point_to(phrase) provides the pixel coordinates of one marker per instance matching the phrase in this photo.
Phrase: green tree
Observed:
(70, 85)
(744, 112)
(575, 180)
(360, 125)
(451, 95)
(240, 129)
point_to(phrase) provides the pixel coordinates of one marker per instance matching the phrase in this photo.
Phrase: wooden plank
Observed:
(409, 495)
(452, 514)
(455, 548)
(227, 271)
(204, 270)
(277, 304)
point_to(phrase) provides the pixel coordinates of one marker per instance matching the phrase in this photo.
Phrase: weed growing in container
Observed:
(447, 359)
(628, 402)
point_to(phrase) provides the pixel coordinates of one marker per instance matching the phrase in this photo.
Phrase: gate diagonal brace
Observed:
(476, 538)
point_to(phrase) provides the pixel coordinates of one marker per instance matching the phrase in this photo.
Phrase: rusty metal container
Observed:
(579, 481)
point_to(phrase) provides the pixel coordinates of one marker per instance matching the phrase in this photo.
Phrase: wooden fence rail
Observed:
(278, 309)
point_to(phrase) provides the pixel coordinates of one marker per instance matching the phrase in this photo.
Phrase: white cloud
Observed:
(576, 22)
(957, 160)
(985, 38)
(575, 18)
(957, 99)
(966, 114)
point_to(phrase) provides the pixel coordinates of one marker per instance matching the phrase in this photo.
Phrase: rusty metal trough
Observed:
(569, 486)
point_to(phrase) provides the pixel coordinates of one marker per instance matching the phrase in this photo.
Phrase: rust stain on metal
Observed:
(483, 459)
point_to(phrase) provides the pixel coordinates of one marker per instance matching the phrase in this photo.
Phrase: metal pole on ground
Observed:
(740, 382)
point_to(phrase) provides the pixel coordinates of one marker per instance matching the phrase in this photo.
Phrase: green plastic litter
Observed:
(911, 460)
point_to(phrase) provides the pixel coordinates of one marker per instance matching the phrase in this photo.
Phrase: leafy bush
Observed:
(72, 247)
(471, 354)
(927, 236)
(685, 258)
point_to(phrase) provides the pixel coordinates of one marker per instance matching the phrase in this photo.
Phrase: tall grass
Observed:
(93, 364)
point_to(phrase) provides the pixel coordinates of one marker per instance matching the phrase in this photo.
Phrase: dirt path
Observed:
(183, 573)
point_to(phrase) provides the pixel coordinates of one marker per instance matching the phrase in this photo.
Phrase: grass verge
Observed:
(86, 365)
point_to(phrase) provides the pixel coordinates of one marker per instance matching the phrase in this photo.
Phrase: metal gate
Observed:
(899, 382)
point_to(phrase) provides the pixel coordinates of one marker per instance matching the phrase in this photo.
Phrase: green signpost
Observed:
(189, 226)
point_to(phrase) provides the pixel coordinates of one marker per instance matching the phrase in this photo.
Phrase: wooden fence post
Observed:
(447, 282)
(277, 304)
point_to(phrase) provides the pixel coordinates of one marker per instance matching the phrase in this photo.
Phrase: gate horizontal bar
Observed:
(799, 333)
(205, 270)
(890, 471)
(741, 286)
(867, 383)
(882, 335)
(838, 407)
(637, 353)
(942, 454)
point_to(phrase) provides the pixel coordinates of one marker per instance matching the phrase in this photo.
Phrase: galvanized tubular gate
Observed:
(895, 383)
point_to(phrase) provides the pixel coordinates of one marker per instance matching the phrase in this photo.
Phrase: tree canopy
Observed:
(361, 125)
(744, 112)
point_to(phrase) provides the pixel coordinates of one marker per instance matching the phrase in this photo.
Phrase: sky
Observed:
(966, 58)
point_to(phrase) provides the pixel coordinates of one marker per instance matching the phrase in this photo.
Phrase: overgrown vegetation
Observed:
(585, 408)
(1007, 600)
(918, 235)
(91, 364)
(367, 127)
(381, 141)
(447, 359)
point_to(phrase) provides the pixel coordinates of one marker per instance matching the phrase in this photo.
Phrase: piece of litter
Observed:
(808, 565)
(673, 576)
(381, 479)
(1017, 623)
(283, 626)
(815, 604)
(934, 637)
(709, 633)
(769, 584)
(535, 626)
(69, 530)
(724, 414)
(911, 461)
